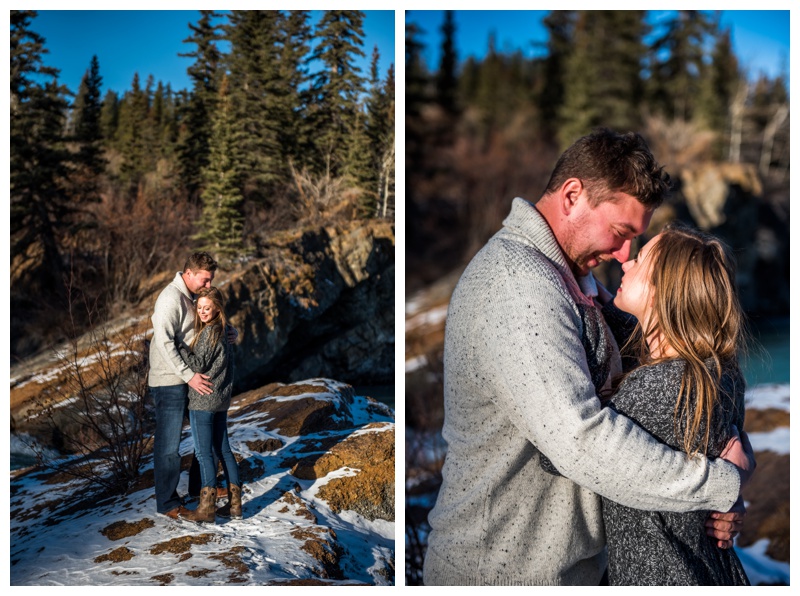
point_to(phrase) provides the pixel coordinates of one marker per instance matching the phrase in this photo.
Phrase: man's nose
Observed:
(623, 252)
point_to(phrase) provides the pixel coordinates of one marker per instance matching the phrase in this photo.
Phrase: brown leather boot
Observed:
(205, 510)
(233, 508)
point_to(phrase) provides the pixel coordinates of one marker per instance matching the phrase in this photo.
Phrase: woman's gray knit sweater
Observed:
(518, 384)
(662, 548)
(211, 356)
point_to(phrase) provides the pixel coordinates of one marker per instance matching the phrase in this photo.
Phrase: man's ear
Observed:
(570, 192)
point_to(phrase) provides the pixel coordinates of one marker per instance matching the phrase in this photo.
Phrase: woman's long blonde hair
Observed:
(216, 296)
(696, 311)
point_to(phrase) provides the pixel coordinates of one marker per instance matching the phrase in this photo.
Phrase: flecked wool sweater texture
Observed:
(173, 322)
(211, 355)
(518, 384)
(664, 548)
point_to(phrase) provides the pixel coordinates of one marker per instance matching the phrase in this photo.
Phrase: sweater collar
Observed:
(525, 220)
(181, 285)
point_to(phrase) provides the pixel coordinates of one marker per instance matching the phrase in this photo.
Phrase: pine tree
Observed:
(380, 134)
(719, 84)
(602, 78)
(549, 95)
(109, 118)
(290, 104)
(132, 137)
(86, 132)
(446, 80)
(221, 224)
(677, 64)
(416, 72)
(336, 87)
(197, 109)
(41, 212)
(254, 66)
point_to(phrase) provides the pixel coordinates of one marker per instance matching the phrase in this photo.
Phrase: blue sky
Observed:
(148, 42)
(761, 38)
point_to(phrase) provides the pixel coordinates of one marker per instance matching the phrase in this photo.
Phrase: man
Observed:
(526, 352)
(169, 378)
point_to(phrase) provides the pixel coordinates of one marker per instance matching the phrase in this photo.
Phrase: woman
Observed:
(210, 354)
(687, 392)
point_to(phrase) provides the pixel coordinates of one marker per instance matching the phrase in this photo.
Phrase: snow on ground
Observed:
(261, 544)
(759, 567)
(761, 397)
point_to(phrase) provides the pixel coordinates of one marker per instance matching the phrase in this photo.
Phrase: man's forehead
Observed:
(629, 214)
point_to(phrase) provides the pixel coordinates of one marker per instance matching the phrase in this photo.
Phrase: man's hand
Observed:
(201, 384)
(725, 526)
(231, 334)
(739, 452)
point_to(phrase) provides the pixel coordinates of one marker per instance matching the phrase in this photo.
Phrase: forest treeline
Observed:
(481, 131)
(282, 129)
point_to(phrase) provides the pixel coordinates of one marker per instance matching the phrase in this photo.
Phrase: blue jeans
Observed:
(210, 432)
(171, 403)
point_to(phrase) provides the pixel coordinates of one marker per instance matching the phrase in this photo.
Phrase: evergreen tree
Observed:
(677, 63)
(602, 79)
(416, 72)
(719, 84)
(560, 25)
(132, 137)
(197, 109)
(446, 82)
(294, 138)
(41, 211)
(221, 224)
(87, 133)
(109, 118)
(336, 87)
(254, 66)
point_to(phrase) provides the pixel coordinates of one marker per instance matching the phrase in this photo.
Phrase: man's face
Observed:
(604, 232)
(197, 280)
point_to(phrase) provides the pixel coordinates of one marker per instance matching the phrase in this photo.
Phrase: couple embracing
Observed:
(191, 367)
(564, 466)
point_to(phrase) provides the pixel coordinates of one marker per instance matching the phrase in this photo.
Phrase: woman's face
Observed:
(634, 293)
(206, 309)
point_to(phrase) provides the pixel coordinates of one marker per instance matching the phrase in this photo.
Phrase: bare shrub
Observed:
(324, 197)
(98, 408)
(136, 239)
(678, 143)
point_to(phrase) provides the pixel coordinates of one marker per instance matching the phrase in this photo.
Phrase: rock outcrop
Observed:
(316, 303)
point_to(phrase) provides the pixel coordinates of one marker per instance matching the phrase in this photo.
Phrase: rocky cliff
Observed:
(315, 303)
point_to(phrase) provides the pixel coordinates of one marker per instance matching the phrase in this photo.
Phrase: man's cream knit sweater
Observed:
(173, 320)
(518, 383)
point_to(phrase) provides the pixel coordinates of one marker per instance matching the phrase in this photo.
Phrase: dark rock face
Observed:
(728, 200)
(317, 304)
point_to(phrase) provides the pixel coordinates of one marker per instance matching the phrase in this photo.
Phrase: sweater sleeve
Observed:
(536, 364)
(166, 322)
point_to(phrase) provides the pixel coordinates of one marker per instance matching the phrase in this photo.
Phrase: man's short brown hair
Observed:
(608, 162)
(201, 261)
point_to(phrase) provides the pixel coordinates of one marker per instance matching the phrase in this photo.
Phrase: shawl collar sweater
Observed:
(173, 323)
(519, 385)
